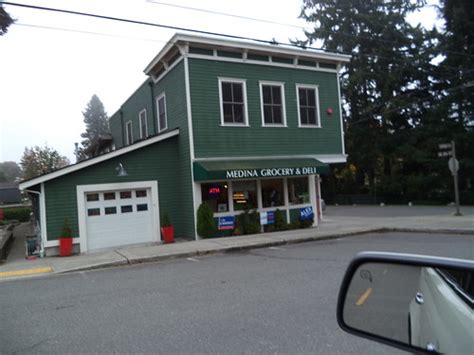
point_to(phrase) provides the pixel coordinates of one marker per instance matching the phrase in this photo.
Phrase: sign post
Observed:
(453, 165)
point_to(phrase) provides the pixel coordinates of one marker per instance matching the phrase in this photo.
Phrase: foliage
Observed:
(9, 171)
(5, 21)
(165, 220)
(97, 124)
(206, 225)
(41, 160)
(21, 214)
(406, 90)
(280, 221)
(66, 231)
(248, 222)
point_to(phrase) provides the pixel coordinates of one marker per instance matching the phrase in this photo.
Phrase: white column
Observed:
(312, 197)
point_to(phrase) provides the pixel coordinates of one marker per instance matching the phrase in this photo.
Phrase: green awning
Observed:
(251, 169)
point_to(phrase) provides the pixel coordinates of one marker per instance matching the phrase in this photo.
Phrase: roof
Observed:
(8, 185)
(181, 38)
(89, 162)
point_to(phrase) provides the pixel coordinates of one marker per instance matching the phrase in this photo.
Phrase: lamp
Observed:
(121, 170)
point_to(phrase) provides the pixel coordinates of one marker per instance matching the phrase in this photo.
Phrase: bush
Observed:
(21, 214)
(280, 222)
(206, 225)
(165, 220)
(248, 222)
(66, 232)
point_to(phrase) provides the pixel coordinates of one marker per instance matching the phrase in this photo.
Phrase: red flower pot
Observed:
(168, 234)
(65, 246)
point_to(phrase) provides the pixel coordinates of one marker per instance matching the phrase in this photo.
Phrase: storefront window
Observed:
(215, 195)
(298, 191)
(245, 194)
(272, 193)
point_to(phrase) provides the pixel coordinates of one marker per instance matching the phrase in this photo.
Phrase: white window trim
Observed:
(283, 103)
(318, 116)
(81, 191)
(158, 98)
(244, 92)
(128, 129)
(140, 122)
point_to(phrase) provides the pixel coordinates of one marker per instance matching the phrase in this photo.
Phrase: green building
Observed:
(232, 124)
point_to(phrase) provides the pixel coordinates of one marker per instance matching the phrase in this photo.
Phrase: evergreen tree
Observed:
(5, 21)
(97, 124)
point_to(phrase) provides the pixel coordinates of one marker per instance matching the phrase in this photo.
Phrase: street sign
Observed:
(447, 153)
(445, 146)
(453, 165)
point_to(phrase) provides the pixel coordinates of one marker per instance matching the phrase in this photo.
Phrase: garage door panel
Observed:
(121, 217)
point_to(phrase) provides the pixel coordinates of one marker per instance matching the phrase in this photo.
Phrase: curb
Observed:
(26, 272)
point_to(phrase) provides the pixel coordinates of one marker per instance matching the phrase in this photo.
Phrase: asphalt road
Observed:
(395, 211)
(273, 300)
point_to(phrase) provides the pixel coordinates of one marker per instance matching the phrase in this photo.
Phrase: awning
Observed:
(262, 168)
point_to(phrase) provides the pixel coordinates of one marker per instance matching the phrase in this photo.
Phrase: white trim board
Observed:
(71, 168)
(324, 158)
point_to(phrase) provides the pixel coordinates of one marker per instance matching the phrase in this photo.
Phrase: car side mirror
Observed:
(416, 303)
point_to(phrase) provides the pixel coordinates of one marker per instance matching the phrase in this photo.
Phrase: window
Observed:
(125, 194)
(161, 111)
(143, 124)
(129, 132)
(92, 197)
(308, 106)
(272, 193)
(142, 207)
(272, 98)
(110, 210)
(245, 194)
(233, 99)
(126, 209)
(298, 191)
(109, 195)
(140, 193)
(215, 195)
(93, 212)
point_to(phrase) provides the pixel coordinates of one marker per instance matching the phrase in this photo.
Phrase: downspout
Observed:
(153, 108)
(41, 226)
(123, 128)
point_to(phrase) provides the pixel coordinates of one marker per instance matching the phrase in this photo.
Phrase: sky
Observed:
(51, 64)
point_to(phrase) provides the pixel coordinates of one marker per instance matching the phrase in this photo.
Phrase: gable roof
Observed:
(89, 162)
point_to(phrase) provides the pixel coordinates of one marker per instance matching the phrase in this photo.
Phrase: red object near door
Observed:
(65, 246)
(168, 234)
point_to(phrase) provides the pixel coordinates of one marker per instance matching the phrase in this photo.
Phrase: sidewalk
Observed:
(331, 227)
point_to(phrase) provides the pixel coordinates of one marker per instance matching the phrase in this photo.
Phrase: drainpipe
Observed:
(123, 128)
(153, 108)
(41, 226)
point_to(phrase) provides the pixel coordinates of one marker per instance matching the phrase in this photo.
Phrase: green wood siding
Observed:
(212, 140)
(173, 85)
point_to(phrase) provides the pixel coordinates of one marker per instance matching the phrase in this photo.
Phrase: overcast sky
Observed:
(51, 63)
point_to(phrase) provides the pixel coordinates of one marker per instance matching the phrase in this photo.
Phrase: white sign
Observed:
(445, 146)
(453, 165)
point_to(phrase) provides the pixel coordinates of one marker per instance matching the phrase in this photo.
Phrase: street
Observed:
(271, 300)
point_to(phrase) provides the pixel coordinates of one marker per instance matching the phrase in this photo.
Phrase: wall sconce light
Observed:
(329, 111)
(121, 170)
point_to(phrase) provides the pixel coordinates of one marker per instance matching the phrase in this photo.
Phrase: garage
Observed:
(112, 215)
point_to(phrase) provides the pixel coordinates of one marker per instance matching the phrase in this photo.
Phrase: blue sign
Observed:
(306, 213)
(226, 222)
(267, 218)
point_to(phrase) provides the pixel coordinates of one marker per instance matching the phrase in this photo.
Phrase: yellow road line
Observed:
(364, 297)
(26, 272)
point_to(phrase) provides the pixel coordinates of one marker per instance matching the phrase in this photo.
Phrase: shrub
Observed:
(280, 222)
(66, 232)
(206, 225)
(248, 222)
(165, 220)
(21, 214)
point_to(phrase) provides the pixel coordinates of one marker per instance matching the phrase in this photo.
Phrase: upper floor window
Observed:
(143, 124)
(272, 96)
(129, 132)
(308, 106)
(233, 102)
(161, 112)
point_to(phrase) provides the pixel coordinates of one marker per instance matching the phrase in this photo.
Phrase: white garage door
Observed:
(120, 217)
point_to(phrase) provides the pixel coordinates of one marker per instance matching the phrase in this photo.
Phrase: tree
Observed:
(5, 21)
(97, 124)
(37, 161)
(9, 171)
(386, 86)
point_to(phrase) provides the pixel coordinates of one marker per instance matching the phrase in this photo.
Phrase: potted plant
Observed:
(167, 230)
(65, 240)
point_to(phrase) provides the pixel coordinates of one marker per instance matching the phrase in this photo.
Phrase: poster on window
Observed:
(306, 213)
(226, 223)
(267, 218)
